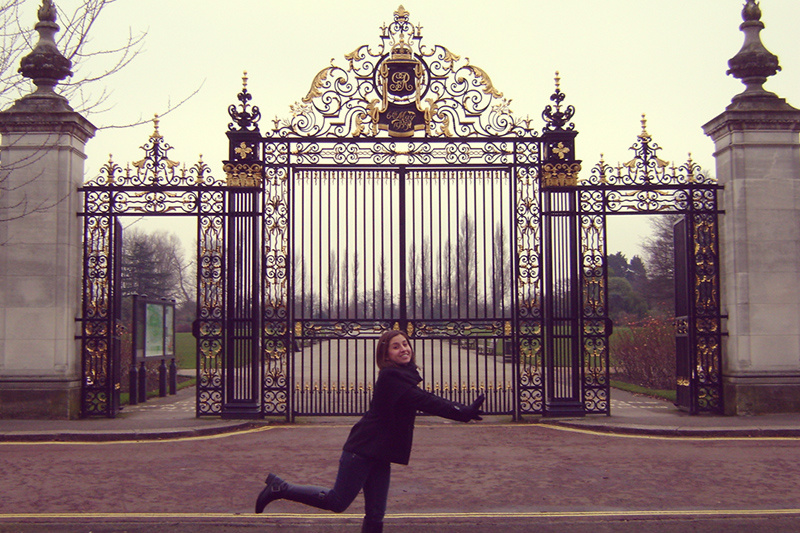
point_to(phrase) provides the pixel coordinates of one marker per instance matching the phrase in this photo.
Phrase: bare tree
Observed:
(88, 65)
(154, 264)
(356, 297)
(383, 288)
(501, 272)
(659, 251)
(467, 267)
(412, 269)
(93, 64)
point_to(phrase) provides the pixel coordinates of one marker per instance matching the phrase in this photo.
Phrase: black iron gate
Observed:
(425, 251)
(439, 235)
(476, 237)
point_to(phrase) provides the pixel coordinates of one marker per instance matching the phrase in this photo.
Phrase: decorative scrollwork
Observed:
(646, 168)
(401, 86)
(242, 174)
(560, 174)
(154, 170)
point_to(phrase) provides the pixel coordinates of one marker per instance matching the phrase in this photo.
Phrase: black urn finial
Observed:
(45, 65)
(754, 63)
(556, 119)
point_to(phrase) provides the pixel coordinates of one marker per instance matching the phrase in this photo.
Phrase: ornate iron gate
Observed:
(439, 235)
(476, 238)
(649, 185)
(154, 185)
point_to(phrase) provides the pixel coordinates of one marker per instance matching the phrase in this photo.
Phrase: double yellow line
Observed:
(666, 513)
(261, 429)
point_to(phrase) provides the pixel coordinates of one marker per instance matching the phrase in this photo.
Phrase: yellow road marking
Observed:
(406, 516)
(137, 441)
(662, 437)
(556, 427)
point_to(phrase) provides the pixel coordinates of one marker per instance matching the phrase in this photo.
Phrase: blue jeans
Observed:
(355, 473)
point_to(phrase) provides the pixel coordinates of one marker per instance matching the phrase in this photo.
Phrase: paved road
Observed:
(477, 477)
(348, 365)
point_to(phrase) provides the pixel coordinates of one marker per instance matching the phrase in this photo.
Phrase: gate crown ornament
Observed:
(154, 170)
(402, 86)
(646, 168)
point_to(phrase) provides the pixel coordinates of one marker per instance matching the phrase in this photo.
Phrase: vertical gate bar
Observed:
(473, 310)
(488, 243)
(348, 177)
(442, 277)
(458, 179)
(226, 296)
(607, 325)
(432, 218)
(231, 291)
(497, 318)
(557, 297)
(547, 221)
(244, 288)
(412, 255)
(335, 203)
(691, 308)
(387, 269)
(562, 295)
(403, 252)
(717, 312)
(307, 285)
(375, 264)
(366, 260)
(450, 244)
(452, 271)
(507, 289)
(566, 312)
(245, 305)
(487, 256)
(297, 229)
(576, 333)
(514, 289)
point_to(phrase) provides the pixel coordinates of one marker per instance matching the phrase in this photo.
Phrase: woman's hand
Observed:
(474, 409)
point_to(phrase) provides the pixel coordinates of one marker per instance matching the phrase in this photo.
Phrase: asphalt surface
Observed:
(647, 467)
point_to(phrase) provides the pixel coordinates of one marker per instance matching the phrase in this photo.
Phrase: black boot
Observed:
(278, 489)
(275, 489)
(371, 527)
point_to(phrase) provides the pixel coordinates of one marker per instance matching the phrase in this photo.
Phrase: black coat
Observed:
(386, 431)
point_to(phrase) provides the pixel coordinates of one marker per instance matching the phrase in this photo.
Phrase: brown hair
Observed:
(382, 348)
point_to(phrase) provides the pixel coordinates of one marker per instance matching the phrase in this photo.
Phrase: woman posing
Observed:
(382, 436)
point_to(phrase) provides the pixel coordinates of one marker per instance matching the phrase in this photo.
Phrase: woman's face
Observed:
(399, 351)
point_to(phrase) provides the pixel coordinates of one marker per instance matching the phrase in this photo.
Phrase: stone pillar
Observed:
(41, 167)
(757, 151)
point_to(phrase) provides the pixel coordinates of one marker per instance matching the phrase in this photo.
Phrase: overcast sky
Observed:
(617, 59)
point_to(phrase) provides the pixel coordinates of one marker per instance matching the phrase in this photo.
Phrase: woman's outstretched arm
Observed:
(429, 403)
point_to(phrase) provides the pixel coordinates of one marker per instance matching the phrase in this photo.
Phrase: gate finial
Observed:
(46, 65)
(156, 134)
(556, 119)
(644, 135)
(753, 64)
(247, 120)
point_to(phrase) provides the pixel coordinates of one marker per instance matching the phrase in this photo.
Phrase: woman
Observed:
(383, 436)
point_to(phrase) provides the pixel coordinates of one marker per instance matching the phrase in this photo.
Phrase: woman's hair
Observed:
(382, 349)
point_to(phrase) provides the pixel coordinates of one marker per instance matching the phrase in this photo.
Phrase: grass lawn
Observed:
(656, 393)
(186, 346)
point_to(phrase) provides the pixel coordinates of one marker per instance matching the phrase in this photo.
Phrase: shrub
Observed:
(643, 352)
